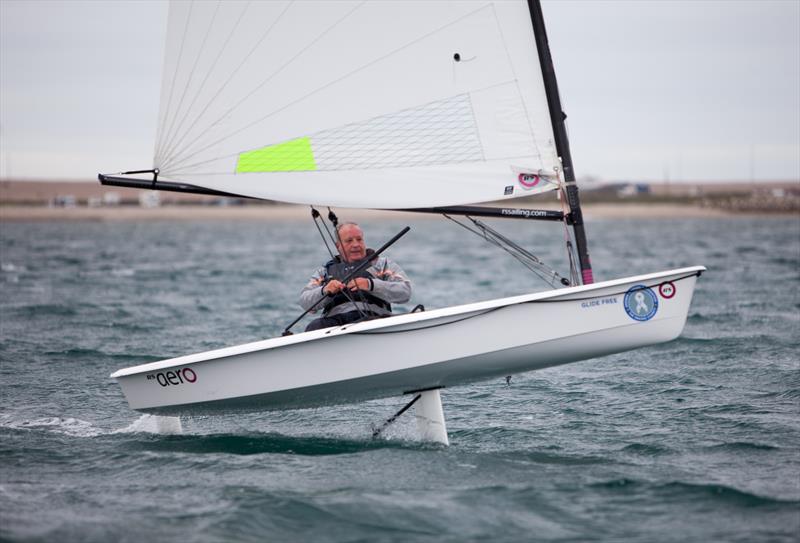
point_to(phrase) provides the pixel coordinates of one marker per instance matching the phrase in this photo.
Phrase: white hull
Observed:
(396, 355)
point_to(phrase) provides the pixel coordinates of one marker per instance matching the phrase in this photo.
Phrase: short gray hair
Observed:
(347, 223)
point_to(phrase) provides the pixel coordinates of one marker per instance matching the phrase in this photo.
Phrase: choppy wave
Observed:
(702, 492)
(689, 440)
(251, 444)
(791, 394)
(646, 449)
(106, 357)
(46, 310)
(705, 493)
(742, 447)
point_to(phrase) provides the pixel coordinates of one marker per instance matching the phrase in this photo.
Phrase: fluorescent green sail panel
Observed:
(290, 156)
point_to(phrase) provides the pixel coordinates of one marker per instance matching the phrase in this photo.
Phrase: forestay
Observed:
(359, 104)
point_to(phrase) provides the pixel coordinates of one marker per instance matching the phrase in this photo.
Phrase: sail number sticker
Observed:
(528, 181)
(641, 303)
(667, 289)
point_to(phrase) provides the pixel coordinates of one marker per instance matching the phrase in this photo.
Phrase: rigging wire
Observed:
(315, 215)
(573, 269)
(526, 258)
(574, 276)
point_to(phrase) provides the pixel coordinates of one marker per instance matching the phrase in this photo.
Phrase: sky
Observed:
(654, 90)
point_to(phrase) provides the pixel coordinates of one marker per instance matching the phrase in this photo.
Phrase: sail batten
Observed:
(334, 102)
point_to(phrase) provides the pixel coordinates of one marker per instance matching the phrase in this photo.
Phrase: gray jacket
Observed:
(389, 282)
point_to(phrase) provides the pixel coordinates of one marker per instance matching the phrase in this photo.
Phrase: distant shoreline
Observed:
(90, 201)
(281, 212)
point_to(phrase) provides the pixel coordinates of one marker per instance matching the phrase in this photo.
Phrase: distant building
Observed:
(111, 199)
(150, 199)
(64, 200)
(630, 190)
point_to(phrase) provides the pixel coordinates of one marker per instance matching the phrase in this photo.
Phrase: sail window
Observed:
(290, 156)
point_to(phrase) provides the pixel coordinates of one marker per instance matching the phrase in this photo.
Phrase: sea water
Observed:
(694, 440)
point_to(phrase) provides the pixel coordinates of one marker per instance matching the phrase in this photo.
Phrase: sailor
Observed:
(369, 295)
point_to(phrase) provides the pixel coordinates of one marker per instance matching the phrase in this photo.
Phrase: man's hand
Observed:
(359, 283)
(333, 287)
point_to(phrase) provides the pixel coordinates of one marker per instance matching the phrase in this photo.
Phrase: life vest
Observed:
(337, 269)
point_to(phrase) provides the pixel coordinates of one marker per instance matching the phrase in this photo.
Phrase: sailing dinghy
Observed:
(433, 107)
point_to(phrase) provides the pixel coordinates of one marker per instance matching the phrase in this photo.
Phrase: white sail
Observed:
(380, 104)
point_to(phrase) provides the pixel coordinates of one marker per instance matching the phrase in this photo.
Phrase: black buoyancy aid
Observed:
(337, 269)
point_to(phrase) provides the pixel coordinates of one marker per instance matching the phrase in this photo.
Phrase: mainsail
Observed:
(358, 104)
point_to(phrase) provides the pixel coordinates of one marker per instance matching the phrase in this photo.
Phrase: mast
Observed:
(557, 117)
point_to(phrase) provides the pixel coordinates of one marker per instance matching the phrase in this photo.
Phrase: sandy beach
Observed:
(11, 213)
(90, 201)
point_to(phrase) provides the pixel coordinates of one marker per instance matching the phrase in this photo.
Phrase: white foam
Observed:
(10, 267)
(67, 426)
(153, 424)
(70, 426)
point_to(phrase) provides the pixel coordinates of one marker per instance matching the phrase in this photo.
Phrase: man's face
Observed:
(351, 243)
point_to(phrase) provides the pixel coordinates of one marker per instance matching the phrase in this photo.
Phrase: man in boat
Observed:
(367, 296)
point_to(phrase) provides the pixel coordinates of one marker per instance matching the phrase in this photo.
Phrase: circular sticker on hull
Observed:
(667, 289)
(640, 303)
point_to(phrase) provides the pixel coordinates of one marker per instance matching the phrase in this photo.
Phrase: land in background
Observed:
(58, 200)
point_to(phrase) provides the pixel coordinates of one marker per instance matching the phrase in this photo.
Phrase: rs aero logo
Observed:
(168, 378)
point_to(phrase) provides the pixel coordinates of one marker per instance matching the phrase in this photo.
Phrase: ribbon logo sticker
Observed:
(641, 307)
(640, 303)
